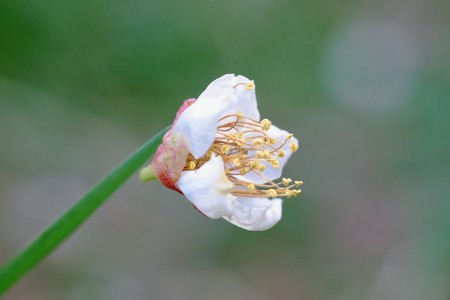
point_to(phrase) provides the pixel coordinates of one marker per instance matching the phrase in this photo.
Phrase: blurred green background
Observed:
(365, 85)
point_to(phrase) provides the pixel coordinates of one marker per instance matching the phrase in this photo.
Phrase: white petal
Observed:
(208, 188)
(244, 99)
(198, 124)
(226, 95)
(255, 214)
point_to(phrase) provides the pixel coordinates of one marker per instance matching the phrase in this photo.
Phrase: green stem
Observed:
(63, 227)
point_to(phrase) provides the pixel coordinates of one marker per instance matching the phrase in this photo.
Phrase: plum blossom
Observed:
(225, 159)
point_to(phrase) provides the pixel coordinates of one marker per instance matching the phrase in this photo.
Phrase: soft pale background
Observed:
(365, 85)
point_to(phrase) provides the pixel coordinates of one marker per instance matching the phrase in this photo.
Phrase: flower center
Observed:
(245, 146)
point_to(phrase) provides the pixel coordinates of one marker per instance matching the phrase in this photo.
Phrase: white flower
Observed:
(224, 159)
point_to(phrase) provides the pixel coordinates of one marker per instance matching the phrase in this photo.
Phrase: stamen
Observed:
(261, 167)
(244, 171)
(191, 165)
(237, 162)
(225, 149)
(265, 124)
(269, 141)
(271, 193)
(260, 154)
(245, 146)
(249, 85)
(258, 142)
(275, 163)
(293, 147)
(286, 181)
(293, 193)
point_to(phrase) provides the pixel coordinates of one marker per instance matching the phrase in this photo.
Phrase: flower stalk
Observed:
(70, 221)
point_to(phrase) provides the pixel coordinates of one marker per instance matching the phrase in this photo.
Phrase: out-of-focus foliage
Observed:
(364, 85)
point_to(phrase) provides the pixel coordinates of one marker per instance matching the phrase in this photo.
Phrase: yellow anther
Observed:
(275, 163)
(191, 165)
(237, 162)
(258, 142)
(244, 171)
(293, 147)
(260, 154)
(289, 194)
(271, 193)
(286, 181)
(265, 124)
(296, 192)
(250, 86)
(261, 167)
(267, 140)
(225, 149)
(246, 146)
